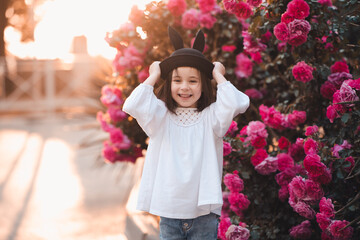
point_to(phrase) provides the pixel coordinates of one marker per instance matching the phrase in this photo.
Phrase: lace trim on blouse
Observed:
(186, 116)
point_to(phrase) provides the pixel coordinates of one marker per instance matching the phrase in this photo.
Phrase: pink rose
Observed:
(258, 142)
(256, 57)
(327, 90)
(296, 118)
(116, 114)
(125, 144)
(301, 231)
(337, 148)
(227, 148)
(298, 8)
(238, 200)
(304, 210)
(255, 129)
(283, 143)
(111, 96)
(326, 207)
(340, 66)
(105, 126)
(298, 30)
(254, 3)
(254, 94)
(233, 128)
(348, 94)
(229, 5)
(116, 135)
(242, 10)
(313, 165)
(233, 182)
(331, 113)
(281, 31)
(251, 44)
(354, 83)
(109, 152)
(310, 146)
(285, 161)
(190, 19)
(259, 156)
(324, 178)
(283, 193)
(352, 163)
(266, 37)
(206, 5)
(228, 48)
(237, 233)
(177, 7)
(323, 220)
(338, 231)
(338, 78)
(287, 18)
(302, 72)
(296, 151)
(327, 3)
(297, 188)
(267, 166)
(244, 66)
(311, 130)
(314, 192)
(224, 224)
(285, 177)
(207, 20)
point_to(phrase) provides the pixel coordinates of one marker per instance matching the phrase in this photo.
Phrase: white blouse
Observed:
(183, 165)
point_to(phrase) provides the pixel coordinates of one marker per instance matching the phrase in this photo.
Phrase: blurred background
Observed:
(53, 183)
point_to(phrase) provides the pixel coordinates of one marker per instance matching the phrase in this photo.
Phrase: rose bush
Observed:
(291, 162)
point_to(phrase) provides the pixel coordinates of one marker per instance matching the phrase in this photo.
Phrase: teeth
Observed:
(185, 95)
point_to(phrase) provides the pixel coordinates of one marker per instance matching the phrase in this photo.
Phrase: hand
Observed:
(218, 68)
(154, 69)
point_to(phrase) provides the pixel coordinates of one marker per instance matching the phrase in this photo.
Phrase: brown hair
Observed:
(163, 92)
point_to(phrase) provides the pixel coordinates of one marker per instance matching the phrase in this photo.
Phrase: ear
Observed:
(175, 38)
(199, 42)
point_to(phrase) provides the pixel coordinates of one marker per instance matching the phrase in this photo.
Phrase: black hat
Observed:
(186, 57)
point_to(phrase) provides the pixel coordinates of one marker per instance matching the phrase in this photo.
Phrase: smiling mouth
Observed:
(185, 95)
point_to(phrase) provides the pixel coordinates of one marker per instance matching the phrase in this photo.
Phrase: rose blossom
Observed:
(233, 182)
(339, 66)
(237, 233)
(111, 96)
(190, 19)
(256, 128)
(302, 72)
(297, 188)
(283, 193)
(177, 7)
(259, 156)
(116, 135)
(301, 231)
(327, 3)
(296, 118)
(323, 220)
(224, 224)
(354, 83)
(337, 231)
(298, 30)
(348, 94)
(267, 166)
(238, 202)
(109, 152)
(244, 66)
(314, 192)
(254, 3)
(285, 177)
(338, 78)
(331, 113)
(311, 130)
(310, 146)
(296, 151)
(285, 161)
(327, 90)
(258, 142)
(272, 117)
(233, 128)
(324, 178)
(207, 20)
(242, 10)
(254, 93)
(228, 48)
(298, 8)
(287, 18)
(283, 143)
(352, 163)
(227, 149)
(304, 210)
(281, 31)
(229, 5)
(326, 207)
(206, 5)
(313, 165)
(101, 118)
(251, 44)
(116, 114)
(337, 148)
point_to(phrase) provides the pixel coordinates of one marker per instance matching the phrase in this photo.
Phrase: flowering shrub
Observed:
(291, 162)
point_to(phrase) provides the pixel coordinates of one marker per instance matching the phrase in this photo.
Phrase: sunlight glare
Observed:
(61, 20)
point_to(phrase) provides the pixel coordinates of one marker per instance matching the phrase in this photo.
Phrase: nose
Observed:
(184, 85)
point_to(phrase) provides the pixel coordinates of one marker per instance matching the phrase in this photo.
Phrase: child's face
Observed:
(186, 86)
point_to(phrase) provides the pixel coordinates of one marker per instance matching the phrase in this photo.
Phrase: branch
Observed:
(348, 176)
(356, 219)
(349, 203)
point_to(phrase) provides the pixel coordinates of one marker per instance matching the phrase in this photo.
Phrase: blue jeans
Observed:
(200, 228)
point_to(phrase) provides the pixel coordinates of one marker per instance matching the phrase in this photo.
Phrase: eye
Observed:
(176, 80)
(194, 81)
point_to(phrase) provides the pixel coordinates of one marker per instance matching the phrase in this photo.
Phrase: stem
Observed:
(348, 176)
(349, 203)
(356, 219)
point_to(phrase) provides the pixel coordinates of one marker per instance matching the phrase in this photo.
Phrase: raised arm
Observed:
(154, 73)
(218, 72)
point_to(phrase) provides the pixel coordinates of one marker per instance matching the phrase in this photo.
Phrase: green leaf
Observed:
(345, 118)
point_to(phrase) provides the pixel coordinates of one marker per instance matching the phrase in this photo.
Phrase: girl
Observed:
(182, 174)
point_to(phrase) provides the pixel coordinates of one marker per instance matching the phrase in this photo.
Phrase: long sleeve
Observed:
(229, 103)
(146, 108)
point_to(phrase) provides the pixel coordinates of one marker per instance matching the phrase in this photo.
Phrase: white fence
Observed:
(45, 85)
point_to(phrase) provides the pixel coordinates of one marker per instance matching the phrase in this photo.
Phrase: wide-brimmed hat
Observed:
(186, 57)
